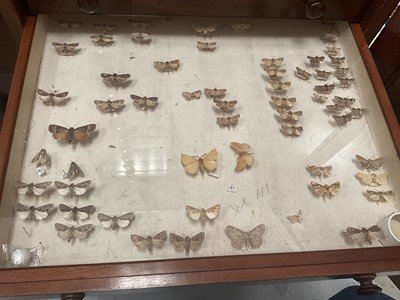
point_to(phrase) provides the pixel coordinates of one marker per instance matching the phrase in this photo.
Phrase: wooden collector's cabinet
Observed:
(164, 143)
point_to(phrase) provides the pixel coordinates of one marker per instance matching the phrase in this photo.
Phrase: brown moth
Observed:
(319, 98)
(370, 164)
(102, 40)
(33, 213)
(357, 113)
(296, 218)
(329, 37)
(115, 222)
(246, 158)
(142, 24)
(52, 98)
(326, 189)
(319, 170)
(206, 46)
(342, 119)
(344, 102)
(76, 213)
(42, 158)
(205, 29)
(240, 26)
(141, 37)
(334, 108)
(274, 72)
(279, 85)
(71, 134)
(149, 242)
(379, 196)
(228, 121)
(363, 235)
(68, 25)
(315, 61)
(167, 66)
(72, 189)
(250, 239)
(225, 105)
(324, 89)
(31, 189)
(337, 60)
(322, 74)
(290, 116)
(346, 82)
(74, 171)
(191, 95)
(203, 214)
(372, 179)
(332, 50)
(291, 130)
(341, 72)
(273, 62)
(69, 233)
(187, 243)
(109, 106)
(143, 102)
(193, 164)
(66, 49)
(302, 74)
(105, 28)
(214, 93)
(115, 78)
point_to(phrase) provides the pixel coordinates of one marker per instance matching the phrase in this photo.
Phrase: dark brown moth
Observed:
(66, 49)
(228, 121)
(33, 213)
(109, 106)
(71, 134)
(102, 40)
(115, 78)
(74, 171)
(149, 242)
(143, 102)
(364, 234)
(187, 243)
(76, 213)
(52, 98)
(69, 233)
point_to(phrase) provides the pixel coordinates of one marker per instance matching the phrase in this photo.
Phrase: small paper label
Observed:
(232, 188)
(64, 175)
(41, 170)
(214, 174)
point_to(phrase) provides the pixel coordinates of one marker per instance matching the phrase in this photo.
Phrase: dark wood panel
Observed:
(5, 83)
(335, 9)
(394, 95)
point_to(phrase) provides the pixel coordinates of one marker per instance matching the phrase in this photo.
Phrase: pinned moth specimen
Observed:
(357, 113)
(143, 102)
(109, 106)
(33, 213)
(274, 72)
(337, 60)
(326, 189)
(206, 46)
(341, 72)
(225, 105)
(342, 119)
(115, 222)
(102, 40)
(319, 170)
(334, 108)
(139, 24)
(191, 95)
(290, 116)
(323, 75)
(370, 164)
(319, 98)
(315, 61)
(214, 93)
(52, 98)
(66, 49)
(187, 243)
(76, 213)
(302, 74)
(205, 29)
(69, 233)
(74, 171)
(68, 25)
(250, 239)
(291, 130)
(71, 134)
(167, 66)
(379, 196)
(279, 85)
(115, 78)
(273, 62)
(246, 158)
(346, 82)
(296, 218)
(228, 121)
(240, 26)
(72, 189)
(363, 235)
(42, 158)
(344, 102)
(203, 214)
(372, 179)
(141, 37)
(332, 50)
(106, 28)
(149, 242)
(31, 189)
(324, 89)
(193, 164)
(329, 37)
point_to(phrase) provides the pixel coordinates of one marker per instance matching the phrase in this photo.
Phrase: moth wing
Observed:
(193, 213)
(241, 163)
(177, 241)
(195, 241)
(45, 208)
(139, 241)
(58, 98)
(160, 66)
(82, 133)
(81, 188)
(125, 219)
(381, 178)
(23, 211)
(42, 212)
(197, 94)
(190, 163)
(39, 156)
(326, 171)
(356, 234)
(373, 195)
(59, 133)
(74, 169)
(363, 161)
(66, 211)
(218, 102)
(213, 211)
(334, 188)
(62, 188)
(71, 46)
(159, 239)
(366, 178)
(255, 236)
(249, 158)
(152, 101)
(107, 77)
(210, 160)
(81, 232)
(174, 65)
(44, 96)
(105, 220)
(212, 46)
(201, 45)
(294, 219)
(103, 105)
(63, 231)
(237, 237)
(57, 45)
(83, 212)
(39, 188)
(121, 78)
(374, 228)
(318, 188)
(240, 148)
(187, 95)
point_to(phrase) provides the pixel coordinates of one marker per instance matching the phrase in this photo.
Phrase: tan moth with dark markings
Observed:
(52, 98)
(115, 222)
(291, 130)
(214, 93)
(303, 74)
(149, 242)
(202, 214)
(379, 196)
(286, 102)
(372, 179)
(191, 95)
(115, 78)
(320, 171)
(225, 105)
(205, 29)
(69, 233)
(326, 189)
(102, 40)
(72, 189)
(143, 102)
(250, 239)
(204, 46)
(66, 49)
(370, 164)
(228, 121)
(363, 235)
(109, 105)
(187, 243)
(167, 66)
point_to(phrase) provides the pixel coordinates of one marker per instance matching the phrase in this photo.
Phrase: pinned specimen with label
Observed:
(248, 239)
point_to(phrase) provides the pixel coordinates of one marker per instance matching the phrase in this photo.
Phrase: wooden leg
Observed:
(73, 296)
(366, 285)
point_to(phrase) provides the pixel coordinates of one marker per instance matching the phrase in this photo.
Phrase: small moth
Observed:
(42, 158)
(379, 196)
(114, 222)
(329, 37)
(324, 89)
(52, 98)
(302, 74)
(33, 213)
(193, 164)
(76, 213)
(203, 214)
(332, 50)
(68, 25)
(102, 40)
(323, 75)
(228, 121)
(342, 119)
(279, 85)
(240, 26)
(105, 28)
(372, 179)
(246, 158)
(141, 37)
(214, 93)
(74, 171)
(291, 130)
(346, 82)
(109, 106)
(69, 233)
(187, 243)
(205, 29)
(66, 49)
(167, 66)
(341, 72)
(290, 116)
(206, 46)
(344, 102)
(191, 95)
(72, 189)
(143, 102)
(326, 189)
(274, 73)
(334, 108)
(149, 242)
(225, 105)
(357, 113)
(71, 134)
(319, 98)
(115, 78)
(337, 60)
(250, 239)
(31, 189)
(315, 61)
(273, 62)
(363, 235)
(139, 24)
(370, 164)
(319, 170)
(296, 218)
